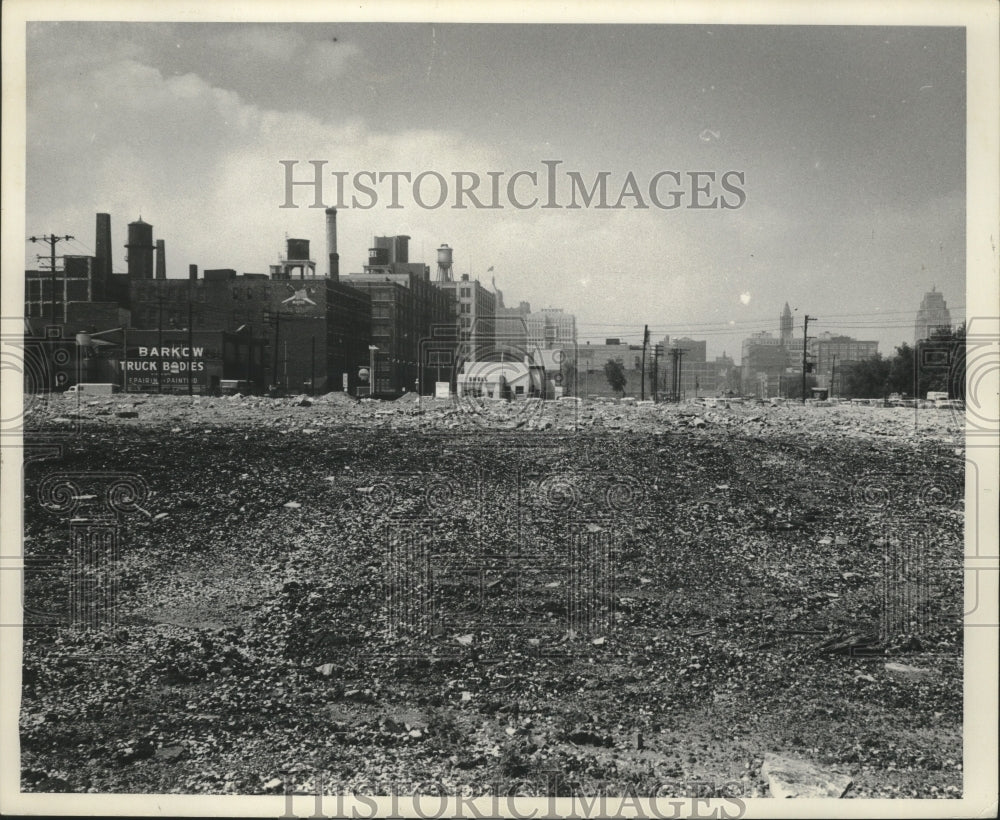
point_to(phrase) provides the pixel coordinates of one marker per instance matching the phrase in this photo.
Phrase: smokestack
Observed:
(161, 260)
(331, 244)
(192, 272)
(102, 247)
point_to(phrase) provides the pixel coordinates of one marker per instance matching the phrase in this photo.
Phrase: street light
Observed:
(87, 341)
(371, 370)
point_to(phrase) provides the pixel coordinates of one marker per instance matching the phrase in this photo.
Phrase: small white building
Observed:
(502, 379)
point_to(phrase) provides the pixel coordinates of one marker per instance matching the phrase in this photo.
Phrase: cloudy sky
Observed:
(851, 139)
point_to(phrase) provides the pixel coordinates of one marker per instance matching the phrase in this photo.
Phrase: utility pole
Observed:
(680, 365)
(805, 342)
(52, 239)
(312, 369)
(249, 356)
(656, 364)
(190, 348)
(645, 344)
(274, 316)
(159, 344)
(833, 374)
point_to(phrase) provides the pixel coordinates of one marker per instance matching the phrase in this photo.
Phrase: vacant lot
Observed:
(384, 595)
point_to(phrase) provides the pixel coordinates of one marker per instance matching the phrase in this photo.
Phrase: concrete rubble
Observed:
(791, 777)
(307, 415)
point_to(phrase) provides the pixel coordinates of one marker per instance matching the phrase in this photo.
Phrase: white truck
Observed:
(92, 389)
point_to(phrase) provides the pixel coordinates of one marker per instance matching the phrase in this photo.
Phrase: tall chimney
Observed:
(331, 244)
(192, 272)
(161, 261)
(102, 249)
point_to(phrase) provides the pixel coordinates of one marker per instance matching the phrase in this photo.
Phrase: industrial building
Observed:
(311, 330)
(406, 310)
(300, 327)
(315, 329)
(474, 306)
(194, 362)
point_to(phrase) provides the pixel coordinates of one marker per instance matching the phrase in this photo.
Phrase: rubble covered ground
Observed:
(323, 593)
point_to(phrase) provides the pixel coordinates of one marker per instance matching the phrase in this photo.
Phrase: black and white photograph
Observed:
(540, 411)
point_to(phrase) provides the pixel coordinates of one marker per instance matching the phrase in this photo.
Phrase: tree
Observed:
(901, 370)
(940, 362)
(793, 390)
(936, 363)
(866, 379)
(614, 371)
(567, 370)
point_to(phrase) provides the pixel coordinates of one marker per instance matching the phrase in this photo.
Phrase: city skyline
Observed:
(854, 176)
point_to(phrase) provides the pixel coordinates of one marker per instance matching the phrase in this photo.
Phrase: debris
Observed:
(903, 670)
(790, 777)
(169, 753)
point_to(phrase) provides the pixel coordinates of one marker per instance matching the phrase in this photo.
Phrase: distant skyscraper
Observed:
(786, 326)
(933, 314)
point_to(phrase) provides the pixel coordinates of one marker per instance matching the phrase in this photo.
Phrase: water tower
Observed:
(444, 264)
(297, 261)
(140, 250)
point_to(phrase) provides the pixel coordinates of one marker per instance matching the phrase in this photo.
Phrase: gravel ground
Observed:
(658, 597)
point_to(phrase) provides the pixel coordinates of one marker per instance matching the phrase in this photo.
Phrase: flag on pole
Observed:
(490, 268)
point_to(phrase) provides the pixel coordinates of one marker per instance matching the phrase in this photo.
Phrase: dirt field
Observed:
(388, 595)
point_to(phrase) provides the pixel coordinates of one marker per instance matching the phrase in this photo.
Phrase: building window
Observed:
(466, 308)
(466, 292)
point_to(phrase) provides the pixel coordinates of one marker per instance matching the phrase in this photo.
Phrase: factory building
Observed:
(310, 331)
(315, 329)
(475, 317)
(406, 311)
(187, 362)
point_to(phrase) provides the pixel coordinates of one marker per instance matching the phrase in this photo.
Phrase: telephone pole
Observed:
(190, 356)
(159, 344)
(645, 344)
(833, 374)
(805, 342)
(275, 317)
(677, 353)
(52, 240)
(654, 387)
